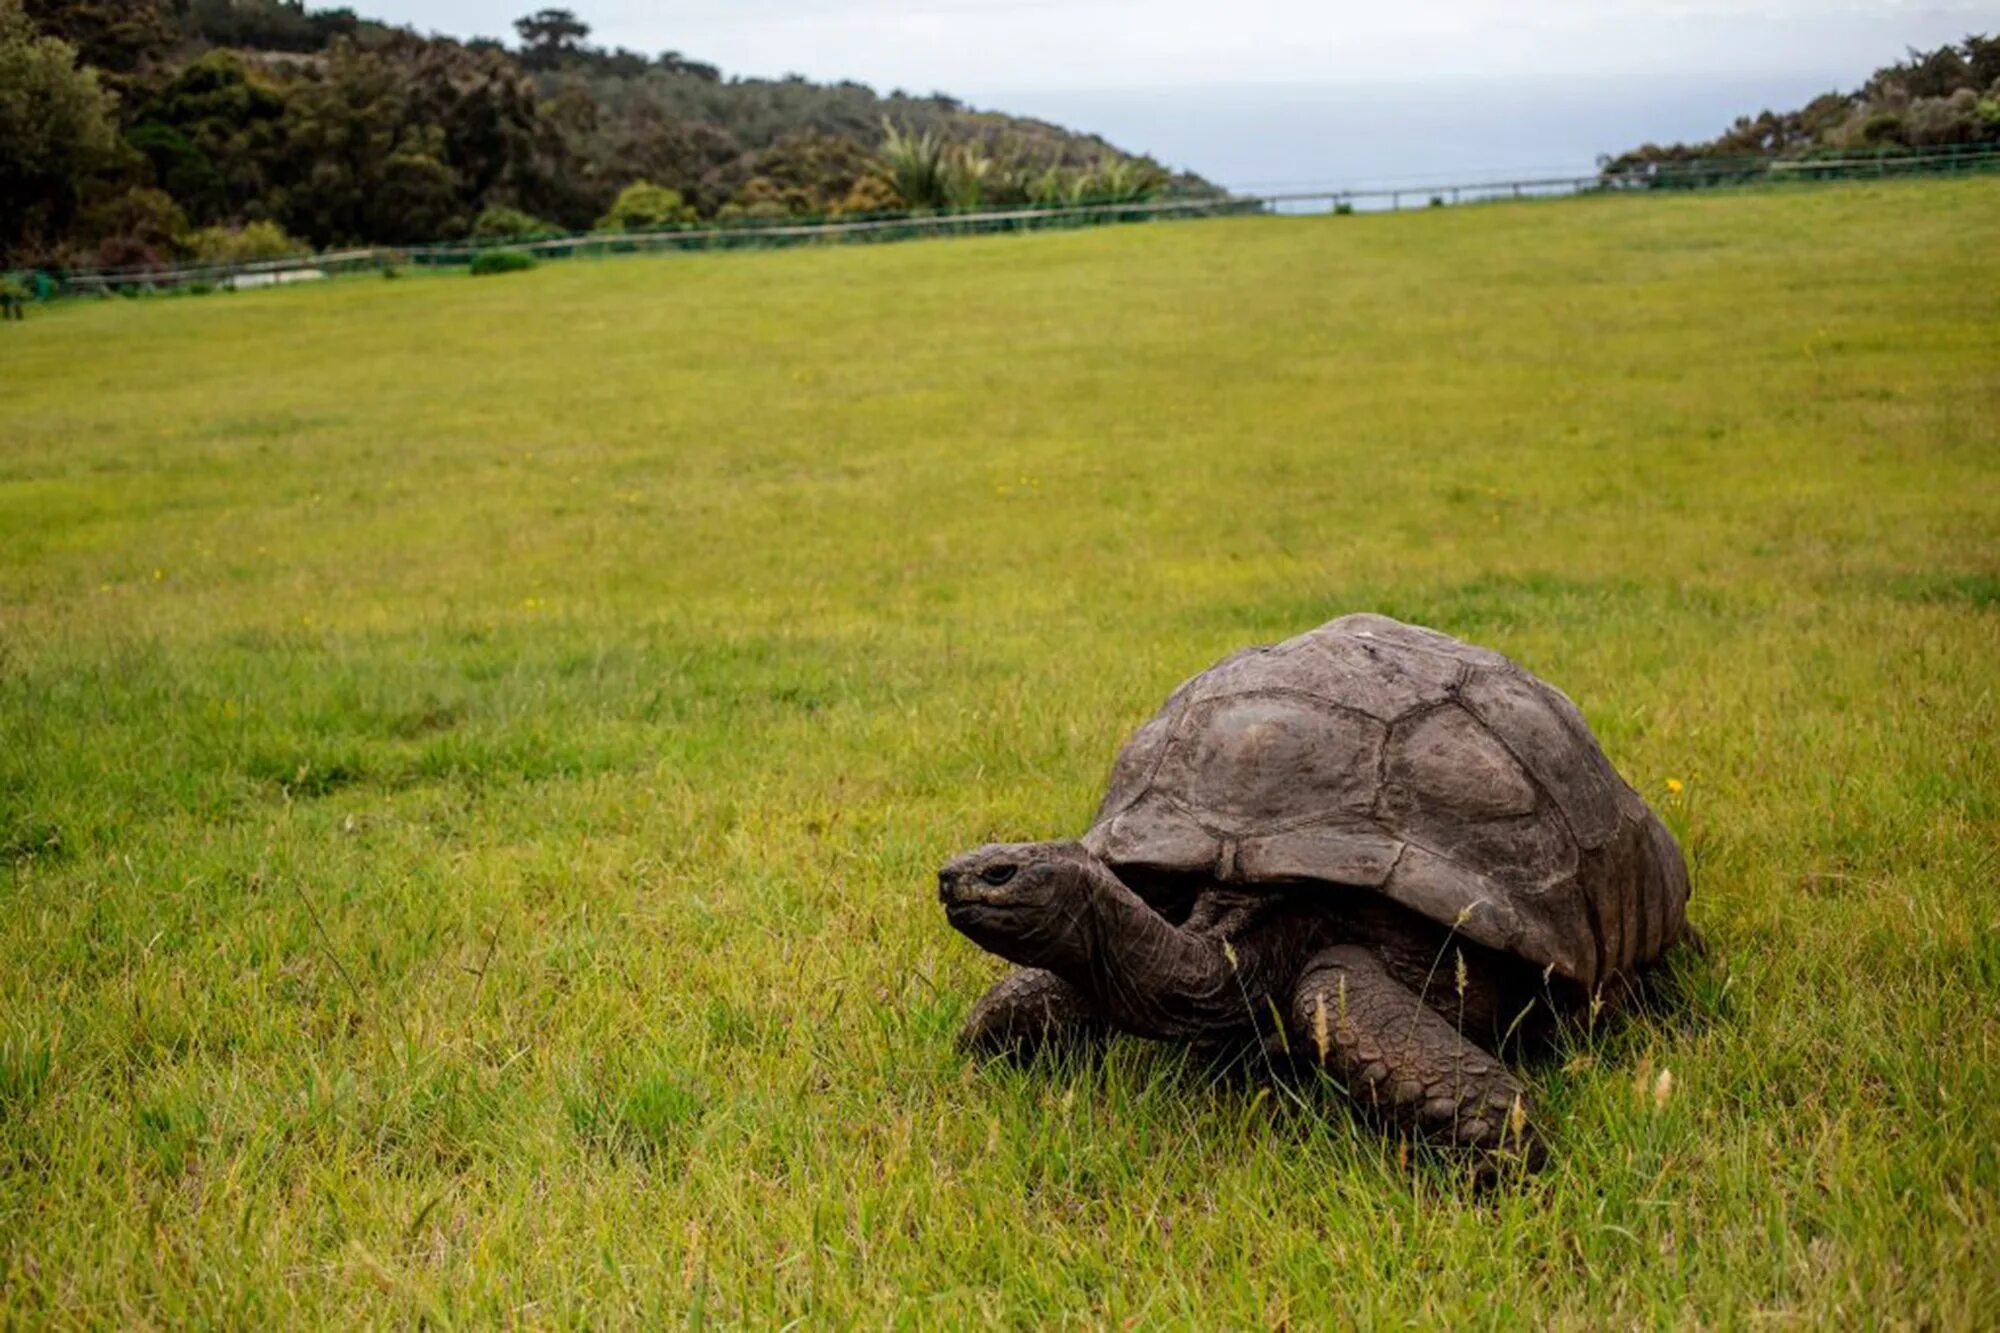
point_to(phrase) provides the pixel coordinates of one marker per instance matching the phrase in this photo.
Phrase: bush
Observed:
(501, 261)
(761, 210)
(137, 229)
(248, 244)
(871, 194)
(501, 223)
(916, 167)
(643, 206)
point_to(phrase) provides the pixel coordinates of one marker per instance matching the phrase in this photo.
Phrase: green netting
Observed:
(758, 233)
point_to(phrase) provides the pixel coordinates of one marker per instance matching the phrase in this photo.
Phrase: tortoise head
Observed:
(1026, 901)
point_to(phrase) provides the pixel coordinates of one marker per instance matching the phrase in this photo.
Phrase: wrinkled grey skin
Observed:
(1372, 847)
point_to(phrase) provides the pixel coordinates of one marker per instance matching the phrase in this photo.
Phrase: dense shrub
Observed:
(501, 223)
(643, 206)
(803, 174)
(500, 261)
(139, 228)
(871, 194)
(248, 244)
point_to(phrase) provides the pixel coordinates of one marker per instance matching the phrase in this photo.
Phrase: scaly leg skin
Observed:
(1406, 1062)
(1029, 1011)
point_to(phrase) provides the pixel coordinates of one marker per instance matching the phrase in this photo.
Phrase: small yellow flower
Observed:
(1675, 785)
(159, 574)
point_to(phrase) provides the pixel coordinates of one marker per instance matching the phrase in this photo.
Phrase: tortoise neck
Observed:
(1150, 976)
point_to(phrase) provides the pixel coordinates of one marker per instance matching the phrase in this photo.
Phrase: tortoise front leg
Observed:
(1029, 1011)
(1405, 1061)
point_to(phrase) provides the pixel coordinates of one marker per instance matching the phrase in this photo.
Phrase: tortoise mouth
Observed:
(988, 915)
(966, 899)
(995, 927)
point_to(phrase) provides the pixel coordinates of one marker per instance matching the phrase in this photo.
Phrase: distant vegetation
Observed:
(129, 129)
(1950, 96)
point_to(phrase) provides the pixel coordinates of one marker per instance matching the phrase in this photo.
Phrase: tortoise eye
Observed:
(996, 875)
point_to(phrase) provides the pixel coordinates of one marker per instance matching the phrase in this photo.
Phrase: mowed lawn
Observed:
(474, 754)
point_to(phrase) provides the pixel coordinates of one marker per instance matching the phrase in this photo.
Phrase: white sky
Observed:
(976, 48)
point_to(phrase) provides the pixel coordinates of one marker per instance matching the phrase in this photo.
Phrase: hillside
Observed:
(136, 131)
(1937, 99)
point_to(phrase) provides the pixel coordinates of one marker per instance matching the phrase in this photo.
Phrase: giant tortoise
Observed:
(1373, 847)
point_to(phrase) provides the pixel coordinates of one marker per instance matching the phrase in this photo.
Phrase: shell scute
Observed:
(1443, 762)
(1360, 856)
(1155, 832)
(1368, 627)
(1251, 763)
(1377, 678)
(1132, 771)
(1549, 737)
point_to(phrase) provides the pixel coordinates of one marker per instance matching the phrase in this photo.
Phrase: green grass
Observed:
(473, 758)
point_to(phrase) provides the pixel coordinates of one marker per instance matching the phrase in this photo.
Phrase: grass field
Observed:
(473, 755)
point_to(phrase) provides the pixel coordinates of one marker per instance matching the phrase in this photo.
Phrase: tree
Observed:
(55, 131)
(360, 165)
(673, 62)
(549, 37)
(266, 25)
(115, 37)
(214, 136)
(483, 106)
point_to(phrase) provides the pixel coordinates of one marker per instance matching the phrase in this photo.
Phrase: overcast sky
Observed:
(981, 47)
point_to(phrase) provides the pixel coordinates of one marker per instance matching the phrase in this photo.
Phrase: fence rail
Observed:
(1698, 173)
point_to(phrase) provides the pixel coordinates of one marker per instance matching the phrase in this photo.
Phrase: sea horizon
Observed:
(1360, 134)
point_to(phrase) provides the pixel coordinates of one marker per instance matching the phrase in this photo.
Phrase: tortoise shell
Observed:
(1371, 755)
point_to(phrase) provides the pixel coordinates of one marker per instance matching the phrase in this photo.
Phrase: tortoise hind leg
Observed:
(1029, 1011)
(1405, 1061)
